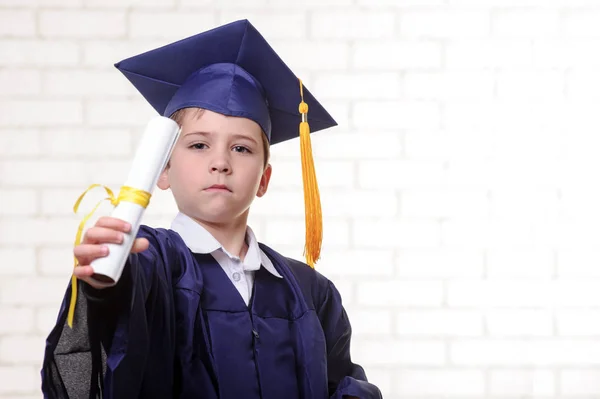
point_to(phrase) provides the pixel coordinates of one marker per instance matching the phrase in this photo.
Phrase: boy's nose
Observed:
(220, 166)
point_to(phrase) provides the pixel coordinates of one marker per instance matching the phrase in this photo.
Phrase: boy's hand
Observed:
(106, 230)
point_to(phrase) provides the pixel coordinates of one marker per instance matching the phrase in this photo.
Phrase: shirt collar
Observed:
(200, 241)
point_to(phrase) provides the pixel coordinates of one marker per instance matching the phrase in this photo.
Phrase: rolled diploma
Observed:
(150, 159)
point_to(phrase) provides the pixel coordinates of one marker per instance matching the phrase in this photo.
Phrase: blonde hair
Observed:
(179, 115)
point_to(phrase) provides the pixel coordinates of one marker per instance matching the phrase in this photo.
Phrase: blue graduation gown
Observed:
(175, 327)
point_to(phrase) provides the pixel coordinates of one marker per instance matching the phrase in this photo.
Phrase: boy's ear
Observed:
(163, 179)
(264, 181)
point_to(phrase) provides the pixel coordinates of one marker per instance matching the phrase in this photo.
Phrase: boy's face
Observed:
(217, 167)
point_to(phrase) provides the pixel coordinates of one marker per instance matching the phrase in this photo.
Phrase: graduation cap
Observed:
(232, 70)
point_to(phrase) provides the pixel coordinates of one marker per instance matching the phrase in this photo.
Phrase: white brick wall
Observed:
(459, 191)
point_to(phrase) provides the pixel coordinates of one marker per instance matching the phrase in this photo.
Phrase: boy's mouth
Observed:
(218, 187)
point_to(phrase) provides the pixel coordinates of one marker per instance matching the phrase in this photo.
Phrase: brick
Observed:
(17, 261)
(18, 379)
(447, 203)
(468, 115)
(153, 4)
(89, 143)
(280, 203)
(17, 23)
(449, 85)
(400, 3)
(525, 23)
(578, 322)
(18, 82)
(387, 352)
(385, 233)
(36, 113)
(271, 24)
(396, 115)
(118, 113)
(360, 86)
(440, 382)
(301, 54)
(357, 263)
(104, 53)
(345, 146)
(525, 85)
(523, 263)
(22, 350)
(578, 263)
(16, 319)
(493, 293)
(565, 53)
(111, 173)
(24, 291)
(330, 174)
(525, 353)
(30, 231)
(18, 202)
(522, 382)
(285, 231)
(307, 4)
(215, 4)
(438, 323)
(42, 173)
(492, 234)
(169, 25)
(581, 23)
(450, 144)
(582, 83)
(528, 204)
(57, 261)
(400, 293)
(86, 84)
(352, 25)
(17, 142)
(506, 323)
(393, 55)
(162, 203)
(445, 24)
(407, 174)
(359, 203)
(500, 53)
(46, 317)
(439, 263)
(82, 24)
(371, 322)
(580, 382)
(16, 53)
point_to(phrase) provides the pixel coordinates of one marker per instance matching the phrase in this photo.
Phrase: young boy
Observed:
(203, 310)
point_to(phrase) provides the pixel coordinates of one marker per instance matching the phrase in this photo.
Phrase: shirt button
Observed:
(236, 276)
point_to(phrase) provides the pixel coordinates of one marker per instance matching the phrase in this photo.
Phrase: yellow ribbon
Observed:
(126, 194)
(312, 200)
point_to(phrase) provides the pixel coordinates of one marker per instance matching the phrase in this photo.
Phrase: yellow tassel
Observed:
(312, 201)
(126, 194)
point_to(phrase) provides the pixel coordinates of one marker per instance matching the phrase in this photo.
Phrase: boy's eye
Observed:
(198, 146)
(241, 148)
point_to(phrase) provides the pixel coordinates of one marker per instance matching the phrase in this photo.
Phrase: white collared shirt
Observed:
(241, 273)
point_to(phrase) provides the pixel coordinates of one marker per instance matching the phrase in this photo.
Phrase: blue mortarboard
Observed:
(231, 70)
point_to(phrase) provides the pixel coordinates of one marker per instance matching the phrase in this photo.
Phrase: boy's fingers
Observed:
(83, 272)
(89, 251)
(114, 224)
(101, 235)
(139, 245)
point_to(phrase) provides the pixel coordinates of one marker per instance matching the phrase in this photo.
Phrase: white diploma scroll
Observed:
(152, 155)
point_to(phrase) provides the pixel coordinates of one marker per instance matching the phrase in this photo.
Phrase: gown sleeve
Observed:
(345, 379)
(123, 336)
